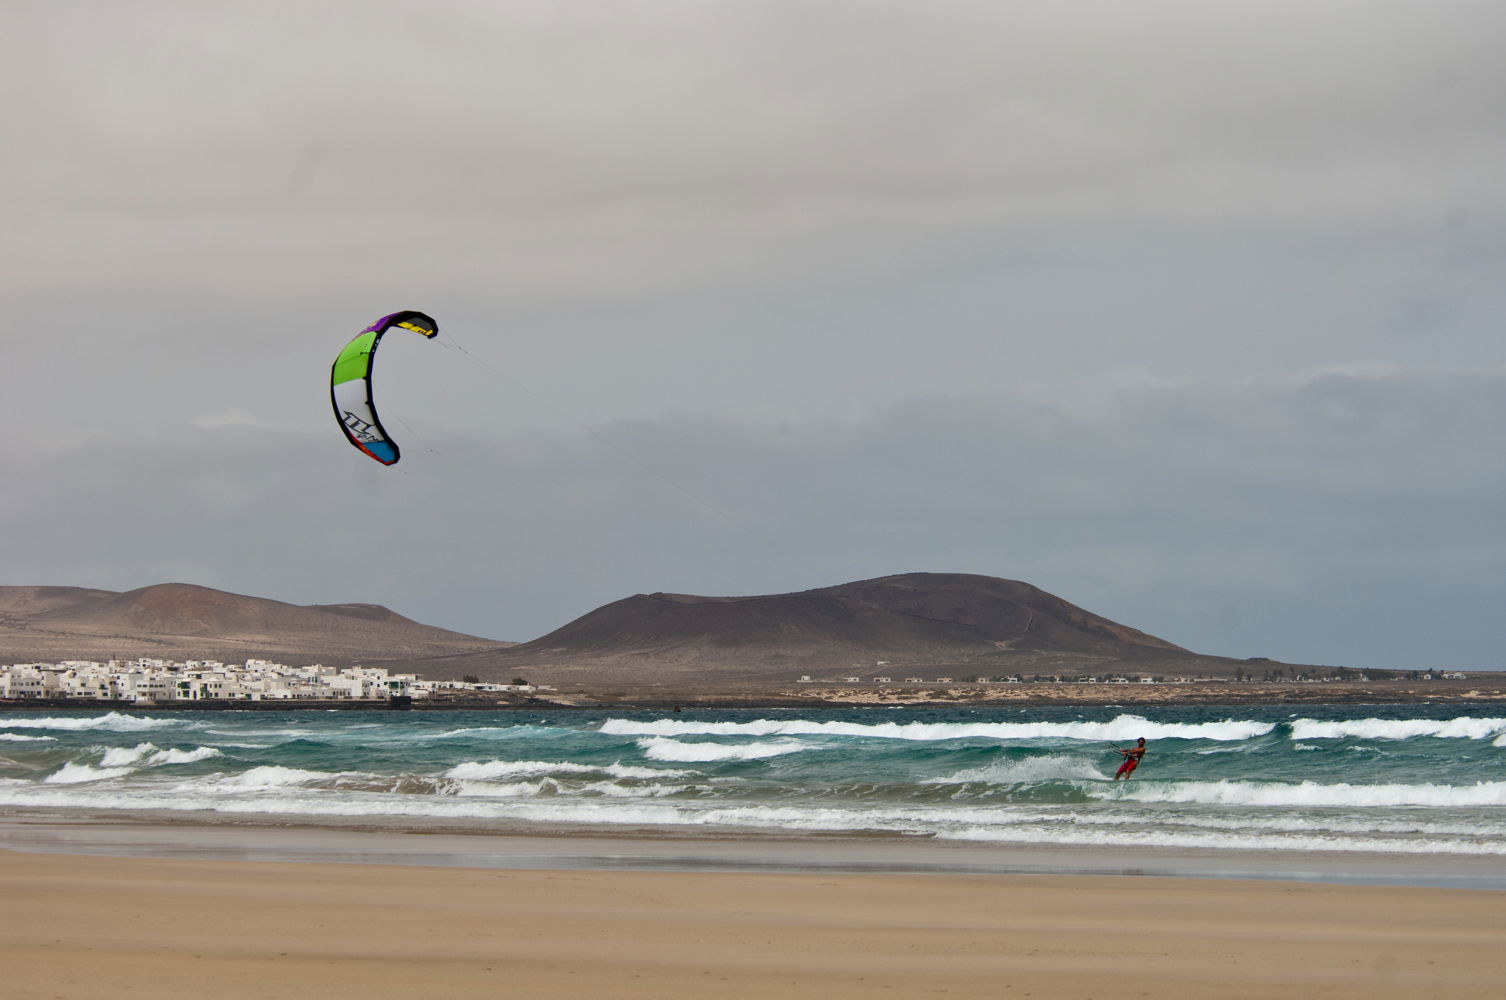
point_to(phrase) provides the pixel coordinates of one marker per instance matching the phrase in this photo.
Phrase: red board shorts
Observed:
(1129, 765)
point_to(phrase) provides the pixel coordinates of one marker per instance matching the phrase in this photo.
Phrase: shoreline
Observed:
(103, 902)
(483, 845)
(1483, 691)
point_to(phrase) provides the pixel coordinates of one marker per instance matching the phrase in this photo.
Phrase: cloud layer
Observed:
(1189, 315)
(1242, 518)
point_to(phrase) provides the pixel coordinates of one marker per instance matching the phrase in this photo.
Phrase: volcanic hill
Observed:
(911, 621)
(181, 621)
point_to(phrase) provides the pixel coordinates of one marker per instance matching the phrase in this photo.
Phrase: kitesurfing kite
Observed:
(350, 384)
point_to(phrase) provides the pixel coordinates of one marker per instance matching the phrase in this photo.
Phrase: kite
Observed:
(350, 384)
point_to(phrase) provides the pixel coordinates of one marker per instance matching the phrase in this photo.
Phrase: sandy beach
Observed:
(85, 926)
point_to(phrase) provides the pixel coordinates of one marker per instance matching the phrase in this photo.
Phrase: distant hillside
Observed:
(182, 621)
(929, 624)
(918, 619)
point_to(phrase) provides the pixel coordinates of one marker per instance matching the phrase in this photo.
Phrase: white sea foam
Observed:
(491, 732)
(1124, 727)
(112, 722)
(272, 776)
(73, 774)
(149, 755)
(1251, 821)
(172, 756)
(126, 756)
(521, 807)
(611, 804)
(497, 789)
(677, 751)
(1053, 793)
(19, 738)
(1308, 793)
(1221, 840)
(550, 787)
(628, 771)
(496, 769)
(271, 737)
(1463, 728)
(528, 810)
(1050, 767)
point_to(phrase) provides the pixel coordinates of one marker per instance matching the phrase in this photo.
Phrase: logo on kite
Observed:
(350, 384)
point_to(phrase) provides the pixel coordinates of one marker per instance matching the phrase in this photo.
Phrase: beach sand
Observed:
(79, 926)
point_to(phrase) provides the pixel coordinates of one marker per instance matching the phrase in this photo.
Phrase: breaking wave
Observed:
(1124, 727)
(1309, 794)
(112, 722)
(1463, 728)
(677, 751)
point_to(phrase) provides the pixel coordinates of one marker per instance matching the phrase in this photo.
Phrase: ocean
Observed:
(1394, 779)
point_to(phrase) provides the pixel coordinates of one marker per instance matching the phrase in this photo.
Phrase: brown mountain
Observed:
(914, 620)
(919, 623)
(182, 621)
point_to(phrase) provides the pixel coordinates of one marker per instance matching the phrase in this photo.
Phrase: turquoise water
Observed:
(1415, 779)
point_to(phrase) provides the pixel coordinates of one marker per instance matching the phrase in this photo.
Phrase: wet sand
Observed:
(79, 926)
(483, 845)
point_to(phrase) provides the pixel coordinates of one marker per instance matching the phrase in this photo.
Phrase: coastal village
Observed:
(152, 681)
(147, 682)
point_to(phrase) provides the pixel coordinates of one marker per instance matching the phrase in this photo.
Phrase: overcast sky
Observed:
(1188, 313)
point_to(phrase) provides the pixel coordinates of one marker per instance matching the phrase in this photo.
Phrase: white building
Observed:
(148, 681)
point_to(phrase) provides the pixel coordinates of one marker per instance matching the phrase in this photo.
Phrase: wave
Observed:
(553, 788)
(666, 749)
(125, 756)
(497, 769)
(645, 811)
(1462, 728)
(273, 776)
(1218, 840)
(280, 734)
(150, 755)
(1308, 793)
(1030, 770)
(171, 756)
(1300, 783)
(112, 722)
(490, 732)
(1124, 727)
(1412, 823)
(612, 804)
(74, 774)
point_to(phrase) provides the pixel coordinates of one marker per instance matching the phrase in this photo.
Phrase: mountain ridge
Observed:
(187, 621)
(948, 622)
(951, 620)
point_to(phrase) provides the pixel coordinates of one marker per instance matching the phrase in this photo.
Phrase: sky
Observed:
(1187, 313)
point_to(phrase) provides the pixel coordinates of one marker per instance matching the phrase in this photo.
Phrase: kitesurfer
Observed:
(1131, 759)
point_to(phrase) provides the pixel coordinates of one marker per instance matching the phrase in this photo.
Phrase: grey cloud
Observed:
(1298, 504)
(536, 148)
(1187, 313)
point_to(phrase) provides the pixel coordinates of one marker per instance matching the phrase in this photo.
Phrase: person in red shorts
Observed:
(1131, 759)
